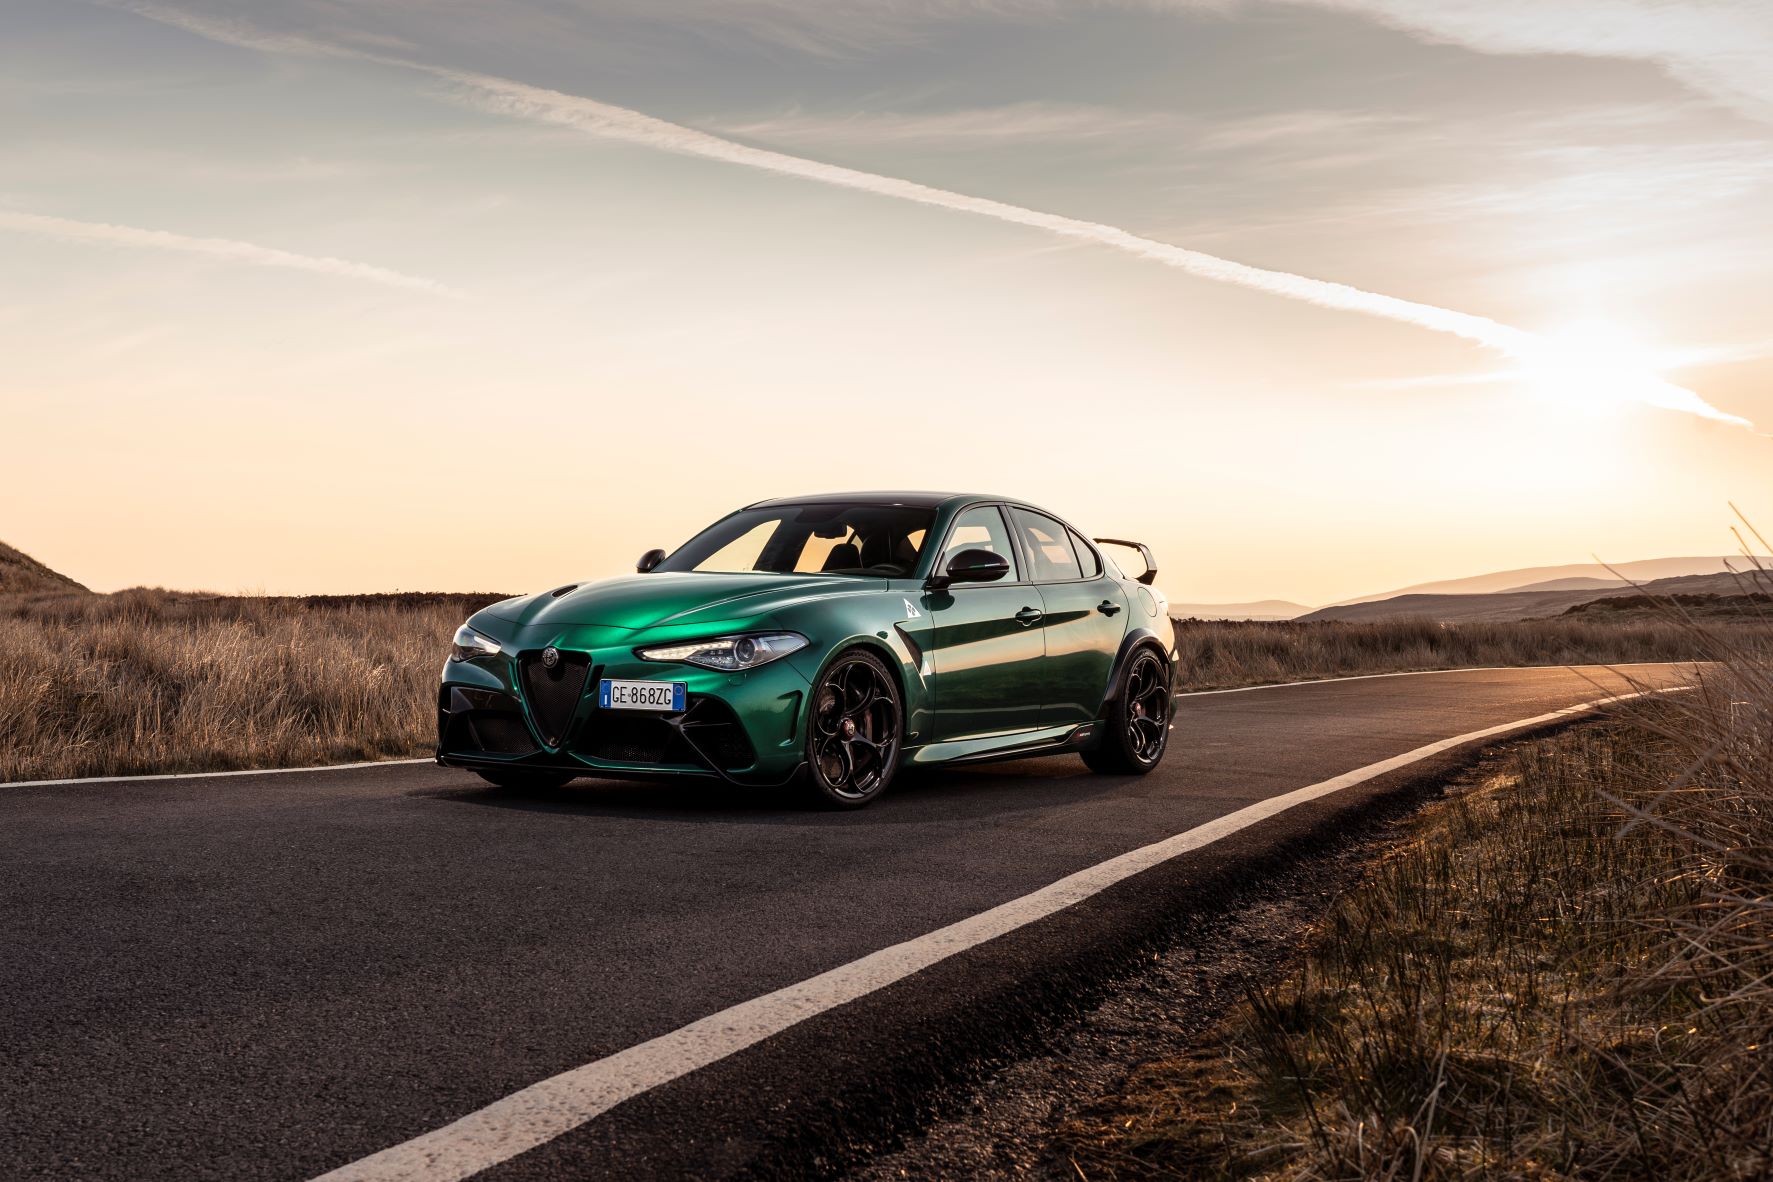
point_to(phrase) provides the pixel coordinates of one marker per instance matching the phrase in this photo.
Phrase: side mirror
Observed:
(649, 560)
(972, 566)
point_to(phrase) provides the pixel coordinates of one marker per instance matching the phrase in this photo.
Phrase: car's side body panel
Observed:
(1082, 641)
(987, 663)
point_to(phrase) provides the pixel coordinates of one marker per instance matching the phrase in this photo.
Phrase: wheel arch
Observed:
(1131, 643)
(890, 657)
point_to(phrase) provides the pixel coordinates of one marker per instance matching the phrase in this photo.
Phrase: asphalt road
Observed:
(274, 976)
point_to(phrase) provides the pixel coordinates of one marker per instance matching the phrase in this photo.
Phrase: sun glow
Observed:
(1596, 367)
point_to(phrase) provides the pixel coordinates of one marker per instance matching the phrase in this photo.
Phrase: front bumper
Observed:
(506, 712)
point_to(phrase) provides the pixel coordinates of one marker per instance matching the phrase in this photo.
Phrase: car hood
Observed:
(672, 598)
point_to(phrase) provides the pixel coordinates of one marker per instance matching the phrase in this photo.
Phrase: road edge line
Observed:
(1268, 685)
(254, 771)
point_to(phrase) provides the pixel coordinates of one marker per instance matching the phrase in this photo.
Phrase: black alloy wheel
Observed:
(853, 729)
(1138, 722)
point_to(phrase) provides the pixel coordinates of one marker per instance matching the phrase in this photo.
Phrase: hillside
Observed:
(1577, 584)
(20, 573)
(1537, 578)
(1262, 609)
(1519, 605)
(1748, 607)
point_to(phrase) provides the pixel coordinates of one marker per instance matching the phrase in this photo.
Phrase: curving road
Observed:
(288, 974)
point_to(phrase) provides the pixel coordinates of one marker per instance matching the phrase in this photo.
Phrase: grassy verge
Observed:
(1564, 970)
(149, 681)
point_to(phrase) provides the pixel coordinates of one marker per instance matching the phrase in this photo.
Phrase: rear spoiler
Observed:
(1150, 574)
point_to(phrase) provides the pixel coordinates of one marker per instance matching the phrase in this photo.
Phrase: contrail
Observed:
(220, 248)
(503, 96)
(521, 100)
(506, 97)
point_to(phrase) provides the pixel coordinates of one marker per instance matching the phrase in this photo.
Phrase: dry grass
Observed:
(1218, 654)
(1565, 971)
(153, 681)
(149, 681)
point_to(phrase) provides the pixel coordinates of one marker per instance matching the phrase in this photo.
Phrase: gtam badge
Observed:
(550, 657)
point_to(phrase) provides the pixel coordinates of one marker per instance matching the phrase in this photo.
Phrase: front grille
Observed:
(628, 736)
(553, 694)
(503, 734)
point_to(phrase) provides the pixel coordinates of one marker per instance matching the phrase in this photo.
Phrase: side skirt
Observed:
(1048, 740)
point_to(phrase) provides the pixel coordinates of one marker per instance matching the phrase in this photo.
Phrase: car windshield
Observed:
(826, 537)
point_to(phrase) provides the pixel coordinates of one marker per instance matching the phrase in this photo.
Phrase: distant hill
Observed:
(1534, 578)
(1576, 584)
(1262, 609)
(1521, 605)
(20, 573)
(1749, 607)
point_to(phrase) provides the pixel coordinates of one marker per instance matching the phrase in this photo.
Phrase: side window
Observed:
(1086, 556)
(980, 528)
(1049, 546)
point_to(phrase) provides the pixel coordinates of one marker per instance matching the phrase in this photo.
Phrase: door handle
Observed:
(1029, 615)
(1108, 607)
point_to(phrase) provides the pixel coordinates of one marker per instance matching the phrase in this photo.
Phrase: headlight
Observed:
(469, 644)
(728, 653)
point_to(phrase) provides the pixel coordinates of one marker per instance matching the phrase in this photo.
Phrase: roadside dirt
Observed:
(1004, 1128)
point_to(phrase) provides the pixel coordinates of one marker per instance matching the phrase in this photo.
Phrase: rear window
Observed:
(1086, 555)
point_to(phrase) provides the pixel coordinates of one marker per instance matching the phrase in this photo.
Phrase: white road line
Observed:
(557, 1105)
(1268, 685)
(261, 771)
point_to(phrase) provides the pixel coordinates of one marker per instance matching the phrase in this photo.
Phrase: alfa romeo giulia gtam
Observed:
(827, 640)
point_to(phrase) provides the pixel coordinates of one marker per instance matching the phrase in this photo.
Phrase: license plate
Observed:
(666, 696)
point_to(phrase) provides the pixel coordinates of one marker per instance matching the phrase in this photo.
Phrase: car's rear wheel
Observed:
(525, 779)
(853, 731)
(1138, 722)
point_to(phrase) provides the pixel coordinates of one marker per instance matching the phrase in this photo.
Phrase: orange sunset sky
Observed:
(1319, 298)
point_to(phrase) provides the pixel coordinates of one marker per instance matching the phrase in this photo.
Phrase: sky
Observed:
(1318, 298)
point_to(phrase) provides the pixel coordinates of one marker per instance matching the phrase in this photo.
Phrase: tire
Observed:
(855, 727)
(525, 779)
(1138, 720)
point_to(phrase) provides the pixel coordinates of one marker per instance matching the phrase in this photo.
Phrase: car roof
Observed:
(911, 500)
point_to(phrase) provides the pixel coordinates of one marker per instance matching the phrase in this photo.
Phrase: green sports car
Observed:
(824, 639)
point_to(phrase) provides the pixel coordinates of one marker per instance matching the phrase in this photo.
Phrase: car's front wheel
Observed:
(525, 779)
(853, 731)
(1138, 721)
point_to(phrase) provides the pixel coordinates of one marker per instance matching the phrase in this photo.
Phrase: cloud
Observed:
(226, 249)
(507, 97)
(1718, 47)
